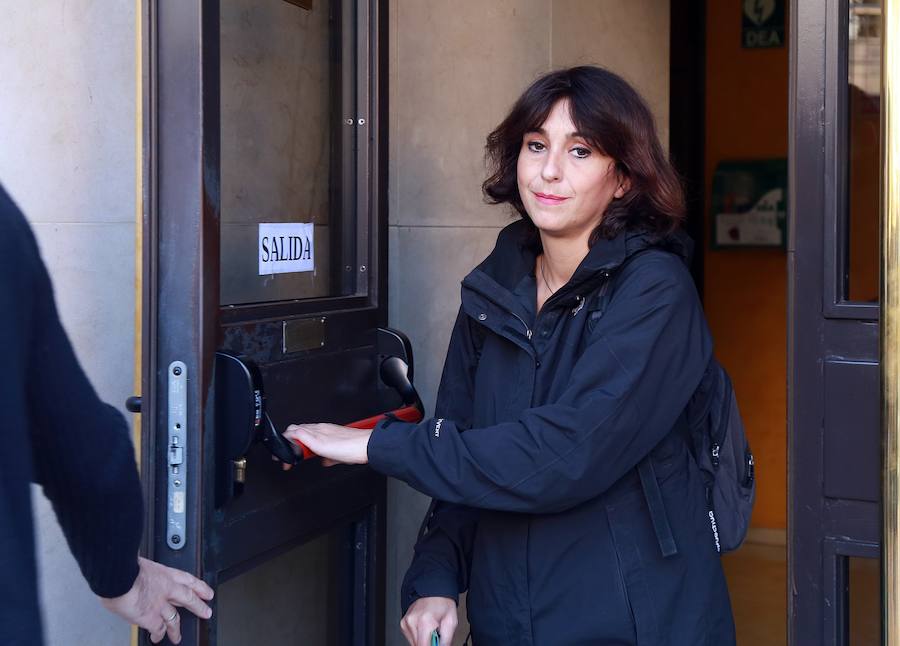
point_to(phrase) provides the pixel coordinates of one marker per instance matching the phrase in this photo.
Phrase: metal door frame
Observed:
(180, 205)
(824, 330)
(890, 339)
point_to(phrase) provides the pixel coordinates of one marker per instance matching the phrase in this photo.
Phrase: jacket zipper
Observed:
(524, 324)
(580, 301)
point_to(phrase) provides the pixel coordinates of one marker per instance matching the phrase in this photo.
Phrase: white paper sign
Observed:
(286, 247)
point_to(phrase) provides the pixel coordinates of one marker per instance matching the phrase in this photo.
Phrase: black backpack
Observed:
(720, 448)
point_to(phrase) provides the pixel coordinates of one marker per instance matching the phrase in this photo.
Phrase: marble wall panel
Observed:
(456, 68)
(630, 38)
(67, 140)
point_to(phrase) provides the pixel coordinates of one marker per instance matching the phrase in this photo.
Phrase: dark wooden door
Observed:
(265, 240)
(834, 459)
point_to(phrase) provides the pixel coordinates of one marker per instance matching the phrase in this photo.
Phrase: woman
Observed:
(579, 342)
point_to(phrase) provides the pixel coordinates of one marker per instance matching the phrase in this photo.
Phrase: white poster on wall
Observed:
(286, 247)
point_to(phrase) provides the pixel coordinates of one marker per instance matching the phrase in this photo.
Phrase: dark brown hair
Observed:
(615, 119)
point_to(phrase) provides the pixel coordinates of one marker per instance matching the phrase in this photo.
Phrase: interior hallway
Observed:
(757, 581)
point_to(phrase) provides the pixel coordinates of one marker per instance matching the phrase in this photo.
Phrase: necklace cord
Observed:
(544, 275)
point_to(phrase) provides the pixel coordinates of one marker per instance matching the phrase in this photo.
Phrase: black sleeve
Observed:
(440, 565)
(625, 392)
(82, 452)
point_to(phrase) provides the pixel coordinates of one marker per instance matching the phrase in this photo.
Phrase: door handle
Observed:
(278, 445)
(394, 373)
(412, 414)
(406, 414)
(241, 409)
(133, 404)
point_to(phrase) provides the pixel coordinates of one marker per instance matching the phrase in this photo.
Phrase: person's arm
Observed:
(638, 370)
(442, 554)
(82, 453)
(84, 459)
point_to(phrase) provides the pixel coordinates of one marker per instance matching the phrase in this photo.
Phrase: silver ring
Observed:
(173, 618)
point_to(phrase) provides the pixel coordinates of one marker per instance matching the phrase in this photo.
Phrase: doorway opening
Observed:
(732, 105)
(730, 140)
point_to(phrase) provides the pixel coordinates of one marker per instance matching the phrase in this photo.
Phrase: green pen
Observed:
(435, 638)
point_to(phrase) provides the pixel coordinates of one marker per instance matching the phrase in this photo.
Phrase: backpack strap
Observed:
(649, 483)
(657, 508)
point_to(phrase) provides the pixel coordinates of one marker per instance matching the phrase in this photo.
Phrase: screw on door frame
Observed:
(176, 370)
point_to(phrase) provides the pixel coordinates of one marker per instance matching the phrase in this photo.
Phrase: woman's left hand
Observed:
(336, 444)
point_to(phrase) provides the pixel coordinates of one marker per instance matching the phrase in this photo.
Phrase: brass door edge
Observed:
(138, 229)
(890, 322)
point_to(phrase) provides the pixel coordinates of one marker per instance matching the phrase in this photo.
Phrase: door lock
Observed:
(176, 465)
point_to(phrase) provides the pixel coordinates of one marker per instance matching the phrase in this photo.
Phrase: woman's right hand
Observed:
(426, 614)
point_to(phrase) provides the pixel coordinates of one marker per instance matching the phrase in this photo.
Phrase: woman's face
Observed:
(565, 183)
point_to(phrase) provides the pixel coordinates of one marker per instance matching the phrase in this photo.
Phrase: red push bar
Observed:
(405, 414)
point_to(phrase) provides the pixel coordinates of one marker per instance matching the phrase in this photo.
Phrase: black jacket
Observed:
(540, 424)
(54, 430)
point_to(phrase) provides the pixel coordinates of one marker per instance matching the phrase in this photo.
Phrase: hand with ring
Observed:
(154, 599)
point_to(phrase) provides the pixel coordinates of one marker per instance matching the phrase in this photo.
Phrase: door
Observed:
(834, 455)
(264, 272)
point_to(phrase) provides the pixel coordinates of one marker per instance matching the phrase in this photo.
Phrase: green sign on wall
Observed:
(763, 23)
(749, 204)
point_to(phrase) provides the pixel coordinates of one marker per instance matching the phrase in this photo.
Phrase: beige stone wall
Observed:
(67, 156)
(455, 69)
(631, 38)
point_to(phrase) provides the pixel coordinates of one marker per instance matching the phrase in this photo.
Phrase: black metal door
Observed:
(264, 117)
(834, 462)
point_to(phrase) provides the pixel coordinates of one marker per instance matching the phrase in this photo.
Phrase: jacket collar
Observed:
(514, 256)
(489, 292)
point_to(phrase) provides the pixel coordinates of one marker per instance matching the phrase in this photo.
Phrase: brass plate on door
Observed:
(299, 335)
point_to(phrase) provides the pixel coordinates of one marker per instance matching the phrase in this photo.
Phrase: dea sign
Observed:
(763, 23)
